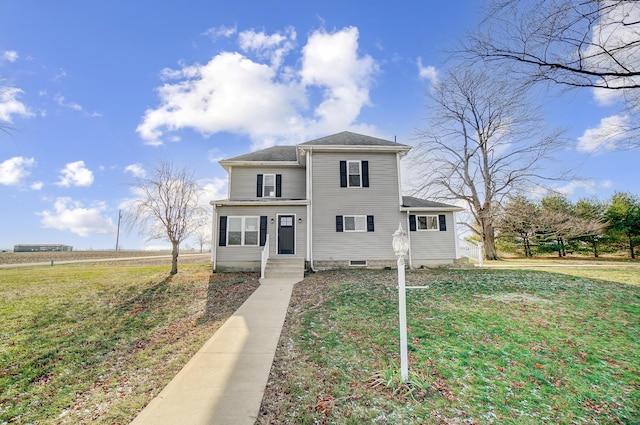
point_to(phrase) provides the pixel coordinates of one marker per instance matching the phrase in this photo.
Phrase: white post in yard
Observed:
(400, 248)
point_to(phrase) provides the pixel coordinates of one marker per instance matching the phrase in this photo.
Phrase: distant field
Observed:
(39, 257)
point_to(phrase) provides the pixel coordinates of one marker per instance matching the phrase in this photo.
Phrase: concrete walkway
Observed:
(224, 382)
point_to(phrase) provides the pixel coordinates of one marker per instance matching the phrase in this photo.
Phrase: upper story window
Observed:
(269, 186)
(269, 189)
(354, 173)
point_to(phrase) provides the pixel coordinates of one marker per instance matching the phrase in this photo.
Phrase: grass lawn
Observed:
(506, 346)
(93, 344)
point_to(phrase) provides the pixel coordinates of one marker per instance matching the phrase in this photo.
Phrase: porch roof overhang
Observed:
(258, 202)
(410, 203)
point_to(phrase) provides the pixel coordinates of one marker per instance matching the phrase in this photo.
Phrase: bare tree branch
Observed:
(167, 207)
(483, 142)
(570, 43)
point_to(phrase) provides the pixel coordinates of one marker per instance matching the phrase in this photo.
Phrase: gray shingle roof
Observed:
(288, 153)
(347, 138)
(411, 202)
(274, 153)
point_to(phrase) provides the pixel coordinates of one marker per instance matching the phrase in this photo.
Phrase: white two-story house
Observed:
(333, 202)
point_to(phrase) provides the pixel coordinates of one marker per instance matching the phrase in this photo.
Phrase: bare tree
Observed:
(573, 43)
(166, 207)
(482, 142)
(202, 232)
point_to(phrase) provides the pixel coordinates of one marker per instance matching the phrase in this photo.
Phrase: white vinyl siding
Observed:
(330, 201)
(243, 182)
(230, 254)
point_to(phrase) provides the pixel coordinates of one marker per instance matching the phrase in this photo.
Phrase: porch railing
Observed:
(470, 250)
(264, 257)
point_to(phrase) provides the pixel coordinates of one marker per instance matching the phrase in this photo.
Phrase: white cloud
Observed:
(13, 170)
(73, 216)
(617, 28)
(37, 186)
(588, 186)
(254, 94)
(212, 189)
(221, 31)
(606, 135)
(273, 47)
(10, 55)
(71, 105)
(331, 61)
(75, 174)
(135, 169)
(10, 105)
(429, 73)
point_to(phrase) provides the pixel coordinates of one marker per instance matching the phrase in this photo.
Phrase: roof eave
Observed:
(229, 163)
(432, 209)
(346, 148)
(231, 202)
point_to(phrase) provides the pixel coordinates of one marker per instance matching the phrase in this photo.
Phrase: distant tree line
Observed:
(555, 224)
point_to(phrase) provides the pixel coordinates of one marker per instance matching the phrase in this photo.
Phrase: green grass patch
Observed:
(485, 346)
(94, 344)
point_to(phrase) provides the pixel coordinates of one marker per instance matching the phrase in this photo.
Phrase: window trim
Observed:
(355, 216)
(243, 229)
(264, 186)
(433, 217)
(359, 173)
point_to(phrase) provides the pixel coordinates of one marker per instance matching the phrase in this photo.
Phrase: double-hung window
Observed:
(354, 173)
(269, 186)
(355, 223)
(243, 231)
(269, 189)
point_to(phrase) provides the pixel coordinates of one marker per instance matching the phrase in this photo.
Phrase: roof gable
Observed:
(347, 138)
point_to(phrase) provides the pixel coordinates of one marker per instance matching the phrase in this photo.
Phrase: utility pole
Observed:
(118, 233)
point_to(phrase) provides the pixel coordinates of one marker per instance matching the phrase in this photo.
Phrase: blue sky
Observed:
(97, 92)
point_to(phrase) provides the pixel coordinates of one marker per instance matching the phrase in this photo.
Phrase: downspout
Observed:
(409, 234)
(214, 240)
(310, 209)
(455, 236)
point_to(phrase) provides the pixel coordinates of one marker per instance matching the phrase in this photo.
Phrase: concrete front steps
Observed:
(284, 268)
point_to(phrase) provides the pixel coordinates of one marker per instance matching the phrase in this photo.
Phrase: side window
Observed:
(428, 223)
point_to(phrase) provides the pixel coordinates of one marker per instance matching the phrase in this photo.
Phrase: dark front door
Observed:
(286, 234)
